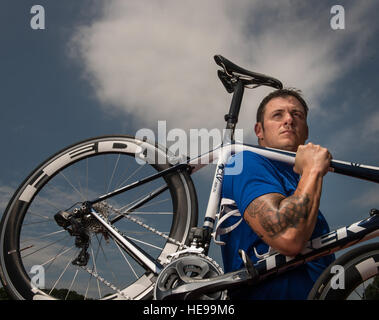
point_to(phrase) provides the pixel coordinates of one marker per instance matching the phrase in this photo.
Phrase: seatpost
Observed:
(232, 117)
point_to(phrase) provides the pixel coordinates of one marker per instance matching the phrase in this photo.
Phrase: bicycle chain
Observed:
(151, 229)
(107, 283)
(139, 222)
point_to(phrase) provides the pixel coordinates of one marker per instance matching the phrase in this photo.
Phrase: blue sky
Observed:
(114, 67)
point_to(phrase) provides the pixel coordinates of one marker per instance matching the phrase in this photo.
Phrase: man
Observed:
(280, 203)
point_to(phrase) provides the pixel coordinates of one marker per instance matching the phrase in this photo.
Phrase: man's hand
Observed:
(311, 157)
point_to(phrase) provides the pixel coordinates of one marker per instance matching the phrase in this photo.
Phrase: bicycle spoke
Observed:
(137, 202)
(56, 256)
(109, 268)
(138, 183)
(127, 261)
(142, 232)
(146, 243)
(36, 222)
(48, 202)
(90, 275)
(87, 289)
(42, 236)
(60, 276)
(150, 213)
(114, 170)
(40, 215)
(132, 175)
(87, 170)
(72, 282)
(144, 199)
(95, 269)
(42, 248)
(155, 203)
(73, 187)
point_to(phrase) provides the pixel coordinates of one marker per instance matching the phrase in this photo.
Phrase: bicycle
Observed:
(84, 236)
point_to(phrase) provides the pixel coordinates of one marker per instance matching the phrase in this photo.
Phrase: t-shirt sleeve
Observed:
(257, 177)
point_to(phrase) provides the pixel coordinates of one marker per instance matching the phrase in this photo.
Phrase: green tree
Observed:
(372, 290)
(57, 293)
(3, 294)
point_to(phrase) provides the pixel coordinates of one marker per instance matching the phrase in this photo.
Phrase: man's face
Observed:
(284, 124)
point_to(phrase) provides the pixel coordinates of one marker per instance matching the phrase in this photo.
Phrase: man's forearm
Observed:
(300, 210)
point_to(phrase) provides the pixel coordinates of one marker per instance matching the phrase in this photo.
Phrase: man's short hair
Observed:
(281, 93)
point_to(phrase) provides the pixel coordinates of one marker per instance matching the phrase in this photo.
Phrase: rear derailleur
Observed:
(78, 224)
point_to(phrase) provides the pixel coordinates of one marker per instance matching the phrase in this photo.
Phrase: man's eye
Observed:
(298, 115)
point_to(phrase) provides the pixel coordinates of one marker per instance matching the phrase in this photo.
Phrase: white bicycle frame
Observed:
(234, 81)
(220, 155)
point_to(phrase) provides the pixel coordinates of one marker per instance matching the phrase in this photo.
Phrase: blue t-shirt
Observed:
(260, 176)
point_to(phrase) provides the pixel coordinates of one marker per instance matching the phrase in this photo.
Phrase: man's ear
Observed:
(258, 128)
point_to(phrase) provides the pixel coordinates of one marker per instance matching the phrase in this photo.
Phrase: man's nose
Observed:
(288, 118)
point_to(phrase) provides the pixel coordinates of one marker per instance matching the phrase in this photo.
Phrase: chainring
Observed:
(186, 269)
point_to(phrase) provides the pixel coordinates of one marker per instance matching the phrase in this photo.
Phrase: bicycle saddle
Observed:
(232, 71)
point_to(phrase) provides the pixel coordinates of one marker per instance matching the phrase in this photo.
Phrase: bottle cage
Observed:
(228, 208)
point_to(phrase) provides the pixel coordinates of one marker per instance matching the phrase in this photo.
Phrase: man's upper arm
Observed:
(277, 219)
(263, 215)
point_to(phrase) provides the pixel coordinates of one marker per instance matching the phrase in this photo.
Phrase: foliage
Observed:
(3, 294)
(372, 290)
(57, 293)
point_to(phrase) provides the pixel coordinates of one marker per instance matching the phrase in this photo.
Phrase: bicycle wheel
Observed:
(37, 254)
(353, 276)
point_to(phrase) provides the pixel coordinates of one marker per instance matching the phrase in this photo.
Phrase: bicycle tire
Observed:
(49, 186)
(359, 266)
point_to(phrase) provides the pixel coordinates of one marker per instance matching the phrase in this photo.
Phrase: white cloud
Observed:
(5, 195)
(153, 59)
(357, 140)
(369, 198)
(371, 127)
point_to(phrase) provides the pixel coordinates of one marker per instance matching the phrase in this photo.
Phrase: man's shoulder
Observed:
(247, 165)
(246, 160)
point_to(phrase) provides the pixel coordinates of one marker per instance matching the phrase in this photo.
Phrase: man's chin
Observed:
(288, 147)
(283, 145)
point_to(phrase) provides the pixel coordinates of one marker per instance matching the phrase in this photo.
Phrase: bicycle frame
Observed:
(336, 240)
(271, 264)
(275, 262)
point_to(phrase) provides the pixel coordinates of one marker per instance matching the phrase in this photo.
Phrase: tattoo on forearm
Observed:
(275, 218)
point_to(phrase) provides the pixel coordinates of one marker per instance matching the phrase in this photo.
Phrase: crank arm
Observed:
(195, 288)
